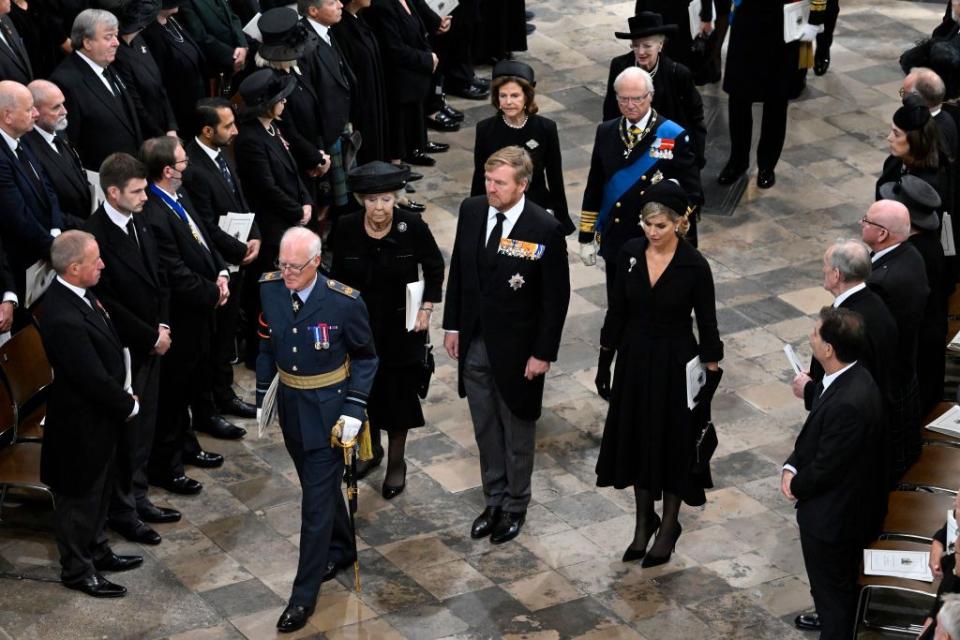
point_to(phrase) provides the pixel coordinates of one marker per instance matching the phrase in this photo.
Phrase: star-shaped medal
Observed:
(516, 281)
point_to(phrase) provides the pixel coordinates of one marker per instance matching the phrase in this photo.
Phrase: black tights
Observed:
(773, 131)
(647, 520)
(396, 467)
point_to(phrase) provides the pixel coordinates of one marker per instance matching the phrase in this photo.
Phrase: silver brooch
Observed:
(516, 281)
(401, 226)
(532, 144)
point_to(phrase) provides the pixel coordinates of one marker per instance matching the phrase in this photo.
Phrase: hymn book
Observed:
(948, 424)
(910, 565)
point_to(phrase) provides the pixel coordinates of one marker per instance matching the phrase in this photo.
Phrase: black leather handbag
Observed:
(705, 446)
(427, 367)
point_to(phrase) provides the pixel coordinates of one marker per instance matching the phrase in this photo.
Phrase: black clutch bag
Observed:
(705, 446)
(427, 367)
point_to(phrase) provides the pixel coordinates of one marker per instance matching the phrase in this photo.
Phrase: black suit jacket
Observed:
(839, 484)
(14, 61)
(407, 59)
(132, 286)
(140, 73)
(99, 124)
(66, 176)
(212, 197)
(7, 282)
(517, 306)
(900, 279)
(183, 68)
(331, 78)
(87, 405)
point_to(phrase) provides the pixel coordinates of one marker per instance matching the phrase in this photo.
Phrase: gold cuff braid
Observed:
(588, 221)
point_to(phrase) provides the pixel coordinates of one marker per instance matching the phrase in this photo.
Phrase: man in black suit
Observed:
(134, 290)
(14, 61)
(199, 283)
(832, 473)
(900, 279)
(219, 32)
(929, 86)
(31, 212)
(507, 299)
(103, 115)
(55, 153)
(213, 185)
(89, 406)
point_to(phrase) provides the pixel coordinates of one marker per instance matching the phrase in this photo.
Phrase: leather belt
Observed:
(317, 381)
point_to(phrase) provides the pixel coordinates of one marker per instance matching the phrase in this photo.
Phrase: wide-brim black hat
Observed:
(132, 15)
(515, 69)
(377, 177)
(919, 197)
(646, 23)
(669, 194)
(283, 36)
(265, 87)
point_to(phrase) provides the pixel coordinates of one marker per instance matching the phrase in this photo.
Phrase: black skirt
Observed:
(394, 404)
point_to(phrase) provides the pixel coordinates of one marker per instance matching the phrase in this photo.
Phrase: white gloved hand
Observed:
(259, 413)
(588, 253)
(351, 427)
(810, 32)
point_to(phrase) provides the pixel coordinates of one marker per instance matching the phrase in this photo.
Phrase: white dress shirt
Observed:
(97, 70)
(879, 254)
(512, 214)
(322, 30)
(846, 294)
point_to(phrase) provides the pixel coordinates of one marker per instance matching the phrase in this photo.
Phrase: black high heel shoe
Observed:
(632, 553)
(389, 491)
(654, 561)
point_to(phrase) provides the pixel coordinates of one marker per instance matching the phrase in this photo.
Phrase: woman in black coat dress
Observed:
(517, 124)
(675, 96)
(677, 12)
(378, 251)
(649, 436)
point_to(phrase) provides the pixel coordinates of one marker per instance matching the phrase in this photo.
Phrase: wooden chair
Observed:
(938, 469)
(914, 516)
(19, 461)
(871, 585)
(25, 365)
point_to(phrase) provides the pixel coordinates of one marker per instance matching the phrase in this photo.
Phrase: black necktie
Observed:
(29, 169)
(297, 303)
(493, 241)
(132, 232)
(95, 304)
(225, 170)
(67, 152)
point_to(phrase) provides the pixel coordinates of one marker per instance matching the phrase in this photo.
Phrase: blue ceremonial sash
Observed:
(733, 10)
(624, 179)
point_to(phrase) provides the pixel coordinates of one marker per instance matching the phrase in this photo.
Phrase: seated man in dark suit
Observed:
(88, 406)
(55, 153)
(103, 116)
(832, 473)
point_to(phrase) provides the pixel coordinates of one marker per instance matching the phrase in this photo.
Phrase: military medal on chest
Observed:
(321, 336)
(516, 281)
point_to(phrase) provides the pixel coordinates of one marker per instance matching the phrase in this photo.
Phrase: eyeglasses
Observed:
(903, 93)
(865, 220)
(292, 268)
(632, 99)
(184, 162)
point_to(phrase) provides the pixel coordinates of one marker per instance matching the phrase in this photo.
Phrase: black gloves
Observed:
(705, 395)
(603, 372)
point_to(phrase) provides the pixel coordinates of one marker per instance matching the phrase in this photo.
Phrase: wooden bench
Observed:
(24, 364)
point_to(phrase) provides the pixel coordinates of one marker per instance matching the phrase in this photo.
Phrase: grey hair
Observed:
(10, 93)
(86, 23)
(68, 248)
(41, 90)
(632, 73)
(280, 65)
(851, 258)
(300, 234)
(949, 617)
(929, 86)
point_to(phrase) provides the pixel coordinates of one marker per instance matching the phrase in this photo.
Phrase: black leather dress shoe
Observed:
(182, 485)
(413, 207)
(436, 147)
(364, 467)
(766, 178)
(529, 15)
(807, 621)
(420, 159)
(819, 68)
(731, 173)
(454, 115)
(414, 176)
(158, 515)
(508, 527)
(472, 92)
(442, 122)
(220, 427)
(203, 459)
(530, 28)
(97, 586)
(293, 617)
(485, 523)
(391, 491)
(138, 532)
(333, 568)
(113, 562)
(239, 408)
(483, 83)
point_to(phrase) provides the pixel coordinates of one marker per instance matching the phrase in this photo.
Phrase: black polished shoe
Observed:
(508, 527)
(138, 532)
(203, 459)
(529, 15)
(454, 115)
(97, 586)
(364, 467)
(413, 207)
(807, 621)
(436, 147)
(220, 427)
(391, 491)
(651, 560)
(530, 28)
(633, 553)
(182, 485)
(819, 68)
(442, 122)
(333, 568)
(420, 159)
(239, 408)
(766, 178)
(158, 515)
(485, 523)
(413, 175)
(293, 617)
(731, 173)
(472, 92)
(116, 563)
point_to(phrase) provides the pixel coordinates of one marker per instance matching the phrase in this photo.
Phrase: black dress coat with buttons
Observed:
(183, 68)
(136, 66)
(404, 43)
(331, 78)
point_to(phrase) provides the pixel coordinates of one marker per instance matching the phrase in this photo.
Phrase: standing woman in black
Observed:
(677, 12)
(649, 436)
(409, 65)
(516, 123)
(378, 251)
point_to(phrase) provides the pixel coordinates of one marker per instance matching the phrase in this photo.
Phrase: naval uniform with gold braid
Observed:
(326, 360)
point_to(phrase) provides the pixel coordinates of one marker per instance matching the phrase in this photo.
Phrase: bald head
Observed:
(17, 113)
(50, 104)
(927, 84)
(887, 223)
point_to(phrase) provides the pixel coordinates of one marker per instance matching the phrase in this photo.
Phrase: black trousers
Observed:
(133, 449)
(833, 569)
(825, 39)
(78, 525)
(455, 51)
(773, 131)
(225, 342)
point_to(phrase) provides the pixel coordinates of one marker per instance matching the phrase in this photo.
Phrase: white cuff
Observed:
(10, 296)
(136, 409)
(789, 467)
(225, 274)
(451, 331)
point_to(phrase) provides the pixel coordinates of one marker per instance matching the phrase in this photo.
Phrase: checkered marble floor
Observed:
(225, 571)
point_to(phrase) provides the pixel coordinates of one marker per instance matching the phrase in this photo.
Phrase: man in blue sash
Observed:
(631, 153)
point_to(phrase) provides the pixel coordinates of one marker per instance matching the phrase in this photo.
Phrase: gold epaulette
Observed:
(818, 5)
(339, 287)
(588, 221)
(270, 276)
